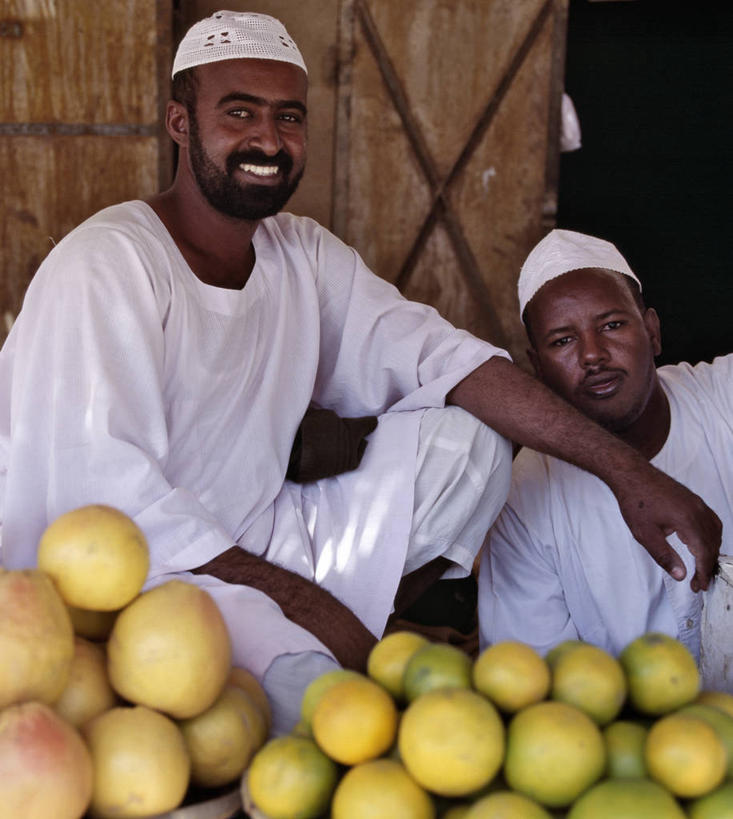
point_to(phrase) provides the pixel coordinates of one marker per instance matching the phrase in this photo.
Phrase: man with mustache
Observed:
(561, 563)
(168, 350)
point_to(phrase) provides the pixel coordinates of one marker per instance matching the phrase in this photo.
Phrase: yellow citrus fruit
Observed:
(246, 680)
(97, 555)
(36, 638)
(141, 766)
(92, 625)
(557, 651)
(720, 721)
(717, 804)
(625, 749)
(458, 811)
(590, 679)
(88, 691)
(45, 767)
(451, 740)
(291, 778)
(512, 675)
(719, 699)
(170, 650)
(380, 788)
(661, 673)
(685, 755)
(388, 658)
(436, 665)
(355, 720)
(506, 805)
(222, 739)
(554, 752)
(316, 688)
(627, 798)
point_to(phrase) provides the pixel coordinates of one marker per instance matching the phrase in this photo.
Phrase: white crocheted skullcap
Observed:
(231, 35)
(562, 251)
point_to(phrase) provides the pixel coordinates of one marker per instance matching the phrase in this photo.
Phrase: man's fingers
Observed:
(658, 547)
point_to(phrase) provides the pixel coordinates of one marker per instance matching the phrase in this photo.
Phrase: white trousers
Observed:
(461, 480)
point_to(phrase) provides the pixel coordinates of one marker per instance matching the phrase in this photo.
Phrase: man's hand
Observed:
(653, 506)
(301, 601)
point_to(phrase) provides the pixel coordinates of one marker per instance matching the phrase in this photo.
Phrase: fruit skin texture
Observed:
(452, 741)
(685, 755)
(378, 789)
(45, 767)
(246, 680)
(316, 689)
(591, 679)
(554, 752)
(721, 721)
(512, 675)
(661, 673)
(627, 798)
(388, 659)
(506, 805)
(36, 638)
(97, 555)
(221, 740)
(354, 721)
(436, 665)
(717, 804)
(88, 691)
(720, 699)
(141, 766)
(170, 650)
(625, 750)
(290, 778)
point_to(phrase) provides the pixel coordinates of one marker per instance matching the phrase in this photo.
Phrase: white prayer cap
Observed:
(562, 251)
(231, 35)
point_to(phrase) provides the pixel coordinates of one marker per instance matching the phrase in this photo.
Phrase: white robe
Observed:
(126, 380)
(561, 562)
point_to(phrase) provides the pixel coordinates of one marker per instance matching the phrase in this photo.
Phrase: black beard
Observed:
(222, 190)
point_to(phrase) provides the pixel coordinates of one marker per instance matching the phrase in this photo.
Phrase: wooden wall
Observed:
(82, 88)
(432, 139)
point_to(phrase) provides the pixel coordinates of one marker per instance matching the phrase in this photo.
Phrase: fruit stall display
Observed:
(119, 702)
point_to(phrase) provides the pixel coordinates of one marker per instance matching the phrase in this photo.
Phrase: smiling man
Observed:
(561, 563)
(168, 351)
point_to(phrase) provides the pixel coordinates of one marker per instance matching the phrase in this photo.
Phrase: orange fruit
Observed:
(591, 679)
(627, 798)
(661, 672)
(436, 665)
(717, 804)
(36, 638)
(246, 680)
(97, 555)
(290, 778)
(625, 749)
(355, 720)
(719, 720)
(388, 659)
(554, 752)
(88, 691)
(685, 755)
(170, 650)
(316, 688)
(141, 766)
(720, 699)
(380, 788)
(506, 805)
(512, 675)
(452, 741)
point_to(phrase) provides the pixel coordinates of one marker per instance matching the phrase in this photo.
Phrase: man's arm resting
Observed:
(653, 505)
(301, 601)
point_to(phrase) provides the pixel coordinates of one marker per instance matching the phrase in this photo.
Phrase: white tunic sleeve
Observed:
(86, 417)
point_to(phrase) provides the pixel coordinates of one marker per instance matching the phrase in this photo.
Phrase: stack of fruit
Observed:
(428, 732)
(112, 700)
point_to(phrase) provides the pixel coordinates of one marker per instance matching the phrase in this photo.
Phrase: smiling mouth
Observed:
(263, 171)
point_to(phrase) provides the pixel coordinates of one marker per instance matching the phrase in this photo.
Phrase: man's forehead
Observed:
(581, 287)
(254, 78)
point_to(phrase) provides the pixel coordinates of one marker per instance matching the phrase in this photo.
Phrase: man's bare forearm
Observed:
(653, 505)
(301, 601)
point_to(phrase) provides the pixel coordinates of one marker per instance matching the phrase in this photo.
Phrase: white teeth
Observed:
(259, 170)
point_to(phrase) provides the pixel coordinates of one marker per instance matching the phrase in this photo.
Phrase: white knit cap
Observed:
(562, 251)
(231, 35)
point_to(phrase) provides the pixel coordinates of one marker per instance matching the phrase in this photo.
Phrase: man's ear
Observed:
(177, 122)
(534, 360)
(653, 329)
